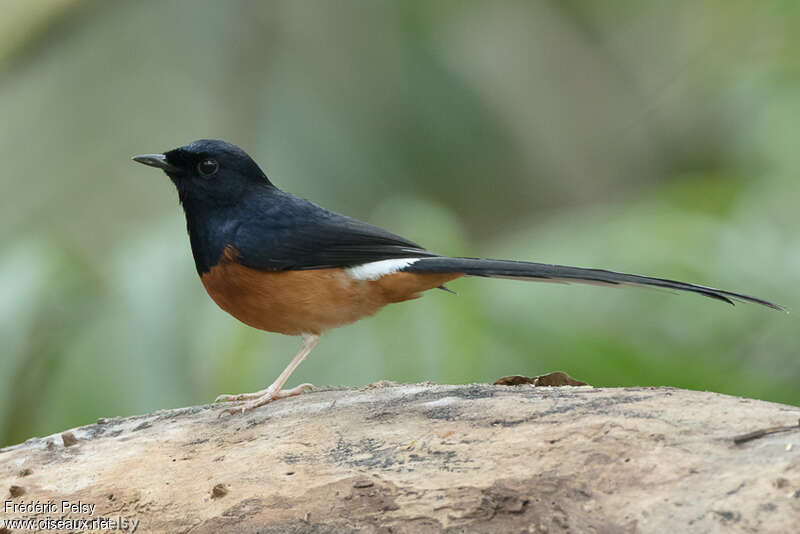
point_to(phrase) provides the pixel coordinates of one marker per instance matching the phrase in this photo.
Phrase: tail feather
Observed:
(523, 270)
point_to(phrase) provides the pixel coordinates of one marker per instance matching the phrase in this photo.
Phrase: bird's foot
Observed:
(260, 398)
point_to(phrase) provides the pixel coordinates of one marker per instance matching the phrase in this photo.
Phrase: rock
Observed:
(431, 458)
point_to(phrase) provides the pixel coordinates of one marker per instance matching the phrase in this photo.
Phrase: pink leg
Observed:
(274, 391)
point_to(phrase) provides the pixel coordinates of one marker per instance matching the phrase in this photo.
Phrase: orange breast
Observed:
(307, 302)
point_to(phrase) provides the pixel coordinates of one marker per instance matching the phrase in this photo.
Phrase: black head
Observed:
(209, 172)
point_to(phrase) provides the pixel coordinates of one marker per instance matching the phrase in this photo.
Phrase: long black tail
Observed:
(523, 270)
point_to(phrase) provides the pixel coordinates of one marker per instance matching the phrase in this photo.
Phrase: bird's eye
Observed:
(208, 167)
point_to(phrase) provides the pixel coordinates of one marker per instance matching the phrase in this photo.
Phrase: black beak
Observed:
(156, 160)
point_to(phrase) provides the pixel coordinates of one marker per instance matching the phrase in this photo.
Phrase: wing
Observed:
(295, 234)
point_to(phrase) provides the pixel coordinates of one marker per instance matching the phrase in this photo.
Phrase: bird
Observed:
(280, 263)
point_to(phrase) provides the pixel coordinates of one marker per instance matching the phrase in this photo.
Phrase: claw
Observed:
(260, 398)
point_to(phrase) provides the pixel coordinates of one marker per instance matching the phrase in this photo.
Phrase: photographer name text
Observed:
(49, 507)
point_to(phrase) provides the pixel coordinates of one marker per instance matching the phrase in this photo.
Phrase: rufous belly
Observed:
(309, 301)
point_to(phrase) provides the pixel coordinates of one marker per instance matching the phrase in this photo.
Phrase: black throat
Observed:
(210, 231)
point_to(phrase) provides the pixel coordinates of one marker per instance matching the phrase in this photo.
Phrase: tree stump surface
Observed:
(425, 458)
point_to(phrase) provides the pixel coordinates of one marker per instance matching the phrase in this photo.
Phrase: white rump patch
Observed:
(377, 269)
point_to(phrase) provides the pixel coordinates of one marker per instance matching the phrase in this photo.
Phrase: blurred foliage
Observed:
(650, 137)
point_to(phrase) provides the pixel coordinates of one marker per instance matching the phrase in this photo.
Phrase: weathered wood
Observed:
(429, 458)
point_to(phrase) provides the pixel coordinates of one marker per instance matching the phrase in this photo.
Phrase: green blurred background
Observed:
(650, 137)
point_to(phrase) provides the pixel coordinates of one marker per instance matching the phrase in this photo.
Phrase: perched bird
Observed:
(283, 264)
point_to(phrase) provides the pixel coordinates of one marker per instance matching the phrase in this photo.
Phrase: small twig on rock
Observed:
(750, 436)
